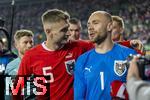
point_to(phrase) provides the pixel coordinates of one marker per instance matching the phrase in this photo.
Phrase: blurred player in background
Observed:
(75, 28)
(118, 28)
(23, 42)
(117, 35)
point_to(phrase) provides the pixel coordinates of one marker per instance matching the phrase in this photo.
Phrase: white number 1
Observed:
(45, 69)
(102, 80)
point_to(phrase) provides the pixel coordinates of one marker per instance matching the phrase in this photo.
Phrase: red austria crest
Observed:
(70, 66)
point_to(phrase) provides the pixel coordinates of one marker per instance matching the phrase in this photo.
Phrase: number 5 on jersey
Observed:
(46, 72)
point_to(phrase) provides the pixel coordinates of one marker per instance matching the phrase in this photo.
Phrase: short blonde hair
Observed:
(54, 15)
(119, 20)
(22, 33)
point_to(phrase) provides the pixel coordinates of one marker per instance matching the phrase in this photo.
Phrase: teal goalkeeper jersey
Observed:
(12, 67)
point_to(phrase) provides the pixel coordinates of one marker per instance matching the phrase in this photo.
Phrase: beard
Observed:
(99, 39)
(63, 41)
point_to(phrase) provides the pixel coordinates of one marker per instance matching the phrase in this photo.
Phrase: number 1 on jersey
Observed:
(102, 80)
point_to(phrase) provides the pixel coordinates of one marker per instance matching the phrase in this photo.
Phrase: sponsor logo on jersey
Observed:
(120, 67)
(88, 69)
(70, 66)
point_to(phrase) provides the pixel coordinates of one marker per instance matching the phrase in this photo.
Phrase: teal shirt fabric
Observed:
(12, 67)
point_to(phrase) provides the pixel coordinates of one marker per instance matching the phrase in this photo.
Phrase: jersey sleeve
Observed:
(86, 45)
(79, 81)
(127, 44)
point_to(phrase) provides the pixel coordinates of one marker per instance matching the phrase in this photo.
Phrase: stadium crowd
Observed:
(136, 15)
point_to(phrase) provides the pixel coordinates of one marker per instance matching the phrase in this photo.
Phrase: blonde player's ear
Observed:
(48, 31)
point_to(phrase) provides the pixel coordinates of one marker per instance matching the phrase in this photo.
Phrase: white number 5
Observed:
(46, 73)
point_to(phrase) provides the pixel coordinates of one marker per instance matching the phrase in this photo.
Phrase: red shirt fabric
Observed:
(127, 44)
(58, 64)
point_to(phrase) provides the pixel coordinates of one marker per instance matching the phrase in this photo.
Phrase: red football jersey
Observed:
(127, 44)
(57, 64)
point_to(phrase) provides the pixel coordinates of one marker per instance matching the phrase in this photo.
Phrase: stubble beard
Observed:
(99, 39)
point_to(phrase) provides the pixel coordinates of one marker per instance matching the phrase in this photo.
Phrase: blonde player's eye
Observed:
(64, 29)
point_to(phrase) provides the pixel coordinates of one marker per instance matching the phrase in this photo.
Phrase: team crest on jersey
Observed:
(70, 66)
(120, 67)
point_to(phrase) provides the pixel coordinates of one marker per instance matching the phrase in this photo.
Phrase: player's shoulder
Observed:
(80, 42)
(34, 50)
(86, 54)
(124, 48)
(119, 46)
(14, 61)
(37, 47)
(82, 60)
(12, 65)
